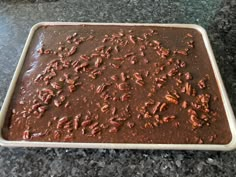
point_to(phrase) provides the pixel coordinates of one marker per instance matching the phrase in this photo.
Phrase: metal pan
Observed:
(226, 103)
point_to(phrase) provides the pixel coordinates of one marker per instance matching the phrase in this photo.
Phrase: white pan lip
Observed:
(214, 147)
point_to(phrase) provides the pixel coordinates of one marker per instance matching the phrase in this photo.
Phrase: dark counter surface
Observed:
(16, 19)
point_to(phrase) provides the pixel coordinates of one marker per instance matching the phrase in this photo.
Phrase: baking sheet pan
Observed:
(226, 103)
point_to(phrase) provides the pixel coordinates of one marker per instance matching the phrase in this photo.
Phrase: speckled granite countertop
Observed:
(16, 19)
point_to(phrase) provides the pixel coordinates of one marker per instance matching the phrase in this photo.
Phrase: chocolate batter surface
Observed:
(117, 84)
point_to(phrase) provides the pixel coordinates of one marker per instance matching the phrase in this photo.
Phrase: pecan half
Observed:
(195, 121)
(163, 107)
(202, 84)
(171, 99)
(188, 88)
